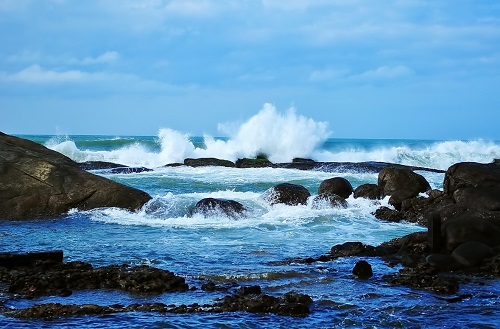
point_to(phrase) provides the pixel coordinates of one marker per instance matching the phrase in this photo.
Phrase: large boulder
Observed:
(36, 182)
(401, 184)
(393, 179)
(337, 185)
(460, 224)
(474, 184)
(290, 194)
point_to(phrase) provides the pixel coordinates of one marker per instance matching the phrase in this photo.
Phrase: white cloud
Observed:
(107, 57)
(36, 74)
(385, 73)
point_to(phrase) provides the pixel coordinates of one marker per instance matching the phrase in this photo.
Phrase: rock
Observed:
(130, 170)
(337, 185)
(215, 207)
(399, 196)
(362, 270)
(44, 278)
(442, 261)
(471, 254)
(460, 225)
(392, 179)
(329, 200)
(367, 191)
(36, 182)
(253, 163)
(290, 194)
(471, 174)
(99, 165)
(10, 260)
(202, 162)
(474, 184)
(388, 214)
(350, 249)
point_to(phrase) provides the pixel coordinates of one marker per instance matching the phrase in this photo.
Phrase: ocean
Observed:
(247, 250)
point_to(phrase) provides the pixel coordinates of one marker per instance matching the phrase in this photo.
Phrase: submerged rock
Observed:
(214, 207)
(36, 182)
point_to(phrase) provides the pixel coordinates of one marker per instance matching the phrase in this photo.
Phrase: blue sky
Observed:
(370, 68)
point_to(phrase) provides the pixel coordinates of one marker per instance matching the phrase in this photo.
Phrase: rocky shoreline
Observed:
(462, 238)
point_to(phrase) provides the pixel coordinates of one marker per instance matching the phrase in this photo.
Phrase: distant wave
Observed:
(279, 136)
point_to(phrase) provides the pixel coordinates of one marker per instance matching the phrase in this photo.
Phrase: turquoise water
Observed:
(244, 250)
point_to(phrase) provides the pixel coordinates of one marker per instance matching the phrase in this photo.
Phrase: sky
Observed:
(425, 69)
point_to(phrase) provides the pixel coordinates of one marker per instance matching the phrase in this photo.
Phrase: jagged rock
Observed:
(290, 194)
(44, 278)
(36, 182)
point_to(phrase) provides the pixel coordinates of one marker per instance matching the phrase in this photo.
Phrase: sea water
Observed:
(247, 250)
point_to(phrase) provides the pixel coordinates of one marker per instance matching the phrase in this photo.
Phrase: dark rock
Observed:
(471, 174)
(362, 270)
(253, 163)
(367, 191)
(10, 260)
(393, 179)
(99, 165)
(130, 170)
(461, 224)
(350, 249)
(329, 200)
(290, 194)
(215, 207)
(399, 196)
(471, 254)
(203, 162)
(48, 278)
(388, 214)
(36, 182)
(337, 185)
(442, 261)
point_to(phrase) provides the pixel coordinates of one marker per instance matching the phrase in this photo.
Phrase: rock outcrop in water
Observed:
(36, 182)
(463, 224)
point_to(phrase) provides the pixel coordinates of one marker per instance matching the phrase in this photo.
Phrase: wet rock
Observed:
(290, 194)
(130, 170)
(99, 165)
(350, 249)
(388, 214)
(215, 207)
(203, 162)
(36, 182)
(329, 200)
(362, 270)
(51, 278)
(253, 163)
(336, 186)
(392, 179)
(367, 191)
